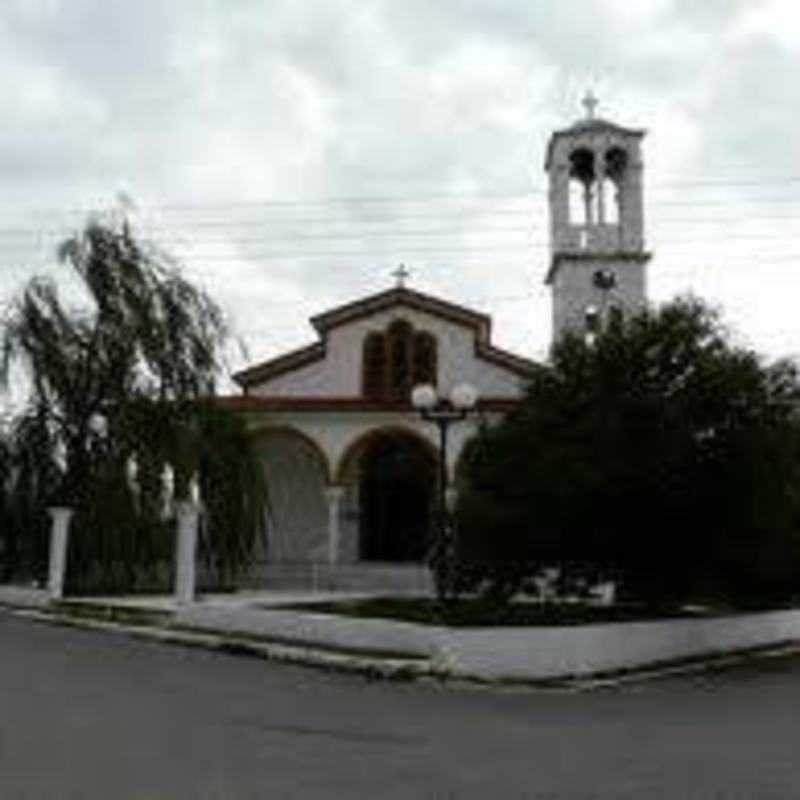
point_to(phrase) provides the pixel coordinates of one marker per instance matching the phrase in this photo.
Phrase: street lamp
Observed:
(443, 412)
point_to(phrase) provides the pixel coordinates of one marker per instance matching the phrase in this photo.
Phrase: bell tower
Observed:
(598, 261)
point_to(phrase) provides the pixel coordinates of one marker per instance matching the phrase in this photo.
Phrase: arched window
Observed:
(424, 359)
(400, 338)
(581, 187)
(615, 167)
(373, 366)
(396, 361)
(577, 206)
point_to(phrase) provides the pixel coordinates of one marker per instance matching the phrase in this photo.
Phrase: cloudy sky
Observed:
(294, 153)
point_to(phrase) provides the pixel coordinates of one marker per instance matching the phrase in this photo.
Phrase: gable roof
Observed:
(281, 365)
(401, 296)
(398, 296)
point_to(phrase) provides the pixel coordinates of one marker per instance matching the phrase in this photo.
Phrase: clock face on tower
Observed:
(605, 279)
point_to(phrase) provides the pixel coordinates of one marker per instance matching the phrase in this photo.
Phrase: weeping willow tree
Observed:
(122, 395)
(28, 472)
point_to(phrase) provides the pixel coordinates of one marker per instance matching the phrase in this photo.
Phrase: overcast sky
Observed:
(293, 153)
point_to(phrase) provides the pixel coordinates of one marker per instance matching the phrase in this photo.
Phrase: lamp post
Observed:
(443, 412)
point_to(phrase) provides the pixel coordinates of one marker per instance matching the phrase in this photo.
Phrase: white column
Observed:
(334, 495)
(59, 537)
(185, 551)
(599, 179)
(451, 498)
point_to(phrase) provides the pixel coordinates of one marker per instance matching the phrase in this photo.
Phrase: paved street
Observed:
(85, 714)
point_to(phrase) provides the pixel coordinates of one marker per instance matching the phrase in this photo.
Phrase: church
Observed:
(353, 469)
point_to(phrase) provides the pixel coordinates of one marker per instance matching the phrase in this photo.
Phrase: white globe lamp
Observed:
(423, 397)
(464, 397)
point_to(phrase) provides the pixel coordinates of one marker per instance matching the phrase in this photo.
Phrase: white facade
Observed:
(338, 374)
(316, 428)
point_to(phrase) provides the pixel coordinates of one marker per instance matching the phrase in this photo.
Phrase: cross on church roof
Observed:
(589, 102)
(401, 273)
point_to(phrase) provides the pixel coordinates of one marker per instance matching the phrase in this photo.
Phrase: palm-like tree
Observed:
(129, 382)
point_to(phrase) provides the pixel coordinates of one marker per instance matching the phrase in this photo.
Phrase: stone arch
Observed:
(348, 461)
(616, 164)
(297, 473)
(582, 187)
(616, 159)
(389, 477)
(291, 431)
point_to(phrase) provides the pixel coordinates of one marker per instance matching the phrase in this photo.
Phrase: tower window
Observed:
(577, 203)
(604, 279)
(615, 167)
(582, 187)
(610, 203)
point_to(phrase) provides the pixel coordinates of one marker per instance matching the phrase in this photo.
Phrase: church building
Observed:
(352, 467)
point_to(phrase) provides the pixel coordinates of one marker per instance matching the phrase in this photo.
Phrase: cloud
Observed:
(251, 116)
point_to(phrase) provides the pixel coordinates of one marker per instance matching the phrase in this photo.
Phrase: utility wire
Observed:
(789, 180)
(276, 233)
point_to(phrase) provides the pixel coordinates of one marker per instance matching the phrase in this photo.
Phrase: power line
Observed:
(40, 235)
(195, 246)
(348, 200)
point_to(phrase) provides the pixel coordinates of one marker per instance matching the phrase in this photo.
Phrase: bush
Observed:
(660, 456)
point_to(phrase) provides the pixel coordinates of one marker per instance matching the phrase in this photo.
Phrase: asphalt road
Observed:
(99, 715)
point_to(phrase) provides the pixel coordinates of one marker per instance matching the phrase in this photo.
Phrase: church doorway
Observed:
(396, 493)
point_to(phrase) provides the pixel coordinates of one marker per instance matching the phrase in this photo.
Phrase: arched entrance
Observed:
(296, 474)
(396, 494)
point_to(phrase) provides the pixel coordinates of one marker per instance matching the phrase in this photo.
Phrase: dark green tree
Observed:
(129, 380)
(659, 454)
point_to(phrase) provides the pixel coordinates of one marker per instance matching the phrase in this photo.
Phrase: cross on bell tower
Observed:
(597, 254)
(589, 102)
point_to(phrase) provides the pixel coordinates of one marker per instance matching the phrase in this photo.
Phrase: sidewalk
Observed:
(254, 622)
(23, 597)
(264, 624)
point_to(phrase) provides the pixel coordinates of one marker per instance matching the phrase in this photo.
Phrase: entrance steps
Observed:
(365, 577)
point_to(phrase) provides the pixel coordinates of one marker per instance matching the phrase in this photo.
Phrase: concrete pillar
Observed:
(59, 537)
(599, 179)
(604, 593)
(559, 206)
(185, 551)
(334, 495)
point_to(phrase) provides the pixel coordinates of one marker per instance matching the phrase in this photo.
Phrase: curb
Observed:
(377, 668)
(413, 668)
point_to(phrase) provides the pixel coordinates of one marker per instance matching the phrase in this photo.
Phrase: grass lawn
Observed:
(479, 613)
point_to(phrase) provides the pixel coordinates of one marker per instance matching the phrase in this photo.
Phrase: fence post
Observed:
(59, 537)
(185, 551)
